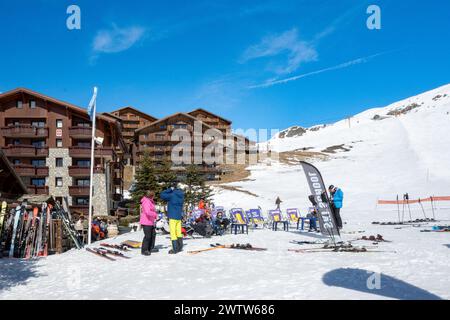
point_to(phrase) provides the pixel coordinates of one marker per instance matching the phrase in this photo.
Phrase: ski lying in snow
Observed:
(100, 254)
(306, 242)
(204, 250)
(375, 239)
(395, 223)
(346, 251)
(115, 246)
(112, 252)
(247, 246)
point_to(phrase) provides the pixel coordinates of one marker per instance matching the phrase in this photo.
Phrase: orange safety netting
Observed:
(411, 201)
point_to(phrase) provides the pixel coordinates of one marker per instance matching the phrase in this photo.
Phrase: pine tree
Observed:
(166, 176)
(145, 180)
(196, 187)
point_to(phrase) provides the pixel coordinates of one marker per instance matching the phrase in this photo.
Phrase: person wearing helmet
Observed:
(337, 197)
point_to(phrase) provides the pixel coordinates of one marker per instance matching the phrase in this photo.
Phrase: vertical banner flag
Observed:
(328, 225)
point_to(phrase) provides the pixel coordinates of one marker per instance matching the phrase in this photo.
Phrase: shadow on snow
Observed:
(14, 272)
(356, 279)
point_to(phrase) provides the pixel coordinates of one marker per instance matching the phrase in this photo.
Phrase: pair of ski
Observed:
(106, 253)
(120, 247)
(216, 246)
(341, 249)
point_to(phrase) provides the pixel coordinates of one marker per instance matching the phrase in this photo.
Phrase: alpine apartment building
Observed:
(48, 142)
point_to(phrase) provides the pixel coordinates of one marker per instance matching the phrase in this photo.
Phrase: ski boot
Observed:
(174, 249)
(180, 244)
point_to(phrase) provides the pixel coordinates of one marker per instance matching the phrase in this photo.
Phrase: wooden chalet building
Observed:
(48, 142)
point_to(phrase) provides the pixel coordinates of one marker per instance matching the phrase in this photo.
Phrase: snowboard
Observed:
(132, 244)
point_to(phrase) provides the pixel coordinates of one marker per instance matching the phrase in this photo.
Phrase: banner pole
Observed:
(91, 177)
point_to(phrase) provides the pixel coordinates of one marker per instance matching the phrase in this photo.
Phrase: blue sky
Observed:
(231, 57)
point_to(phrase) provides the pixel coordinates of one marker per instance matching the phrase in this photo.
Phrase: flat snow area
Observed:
(418, 270)
(409, 152)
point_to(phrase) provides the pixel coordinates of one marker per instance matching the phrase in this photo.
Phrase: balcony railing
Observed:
(83, 209)
(77, 171)
(78, 190)
(37, 189)
(30, 170)
(25, 151)
(24, 131)
(80, 132)
(86, 152)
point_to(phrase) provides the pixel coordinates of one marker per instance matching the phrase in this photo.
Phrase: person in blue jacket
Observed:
(337, 197)
(175, 199)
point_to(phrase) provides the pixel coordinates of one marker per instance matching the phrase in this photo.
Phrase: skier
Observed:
(337, 196)
(175, 198)
(278, 202)
(147, 220)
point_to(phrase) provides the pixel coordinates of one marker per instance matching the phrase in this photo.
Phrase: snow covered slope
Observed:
(409, 152)
(379, 153)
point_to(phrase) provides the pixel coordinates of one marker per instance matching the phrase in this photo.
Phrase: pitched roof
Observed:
(171, 116)
(53, 100)
(210, 113)
(145, 115)
(13, 179)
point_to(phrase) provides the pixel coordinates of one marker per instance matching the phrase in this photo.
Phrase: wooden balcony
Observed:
(78, 191)
(81, 209)
(37, 189)
(24, 170)
(80, 132)
(21, 151)
(27, 170)
(24, 131)
(85, 152)
(76, 171)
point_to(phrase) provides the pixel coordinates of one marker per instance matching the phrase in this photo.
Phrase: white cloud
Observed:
(298, 51)
(117, 39)
(273, 82)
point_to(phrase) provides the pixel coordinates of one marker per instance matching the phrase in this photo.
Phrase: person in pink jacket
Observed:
(147, 220)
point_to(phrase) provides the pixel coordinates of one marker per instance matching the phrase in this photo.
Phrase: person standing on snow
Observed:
(175, 199)
(337, 197)
(147, 220)
(278, 203)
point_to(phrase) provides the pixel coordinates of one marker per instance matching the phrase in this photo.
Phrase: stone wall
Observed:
(62, 172)
(128, 176)
(100, 199)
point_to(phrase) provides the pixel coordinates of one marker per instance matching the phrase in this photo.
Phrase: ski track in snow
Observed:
(409, 153)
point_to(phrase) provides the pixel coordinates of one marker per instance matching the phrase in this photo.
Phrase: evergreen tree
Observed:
(166, 176)
(145, 179)
(196, 187)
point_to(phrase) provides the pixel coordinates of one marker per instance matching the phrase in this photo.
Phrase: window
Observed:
(38, 162)
(38, 124)
(38, 182)
(59, 123)
(83, 124)
(59, 143)
(16, 142)
(84, 144)
(16, 161)
(82, 182)
(83, 163)
(19, 104)
(32, 104)
(58, 181)
(59, 162)
(38, 143)
(82, 201)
